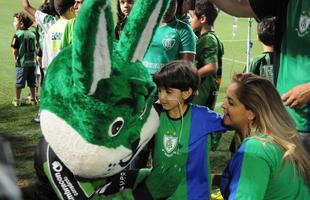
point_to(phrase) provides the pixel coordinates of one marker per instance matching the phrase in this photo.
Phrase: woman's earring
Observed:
(252, 129)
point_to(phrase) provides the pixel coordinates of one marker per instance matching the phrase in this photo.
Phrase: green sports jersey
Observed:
(25, 42)
(168, 42)
(262, 65)
(44, 21)
(209, 50)
(181, 167)
(291, 48)
(67, 35)
(295, 59)
(256, 171)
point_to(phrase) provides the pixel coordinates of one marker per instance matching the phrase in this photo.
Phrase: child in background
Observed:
(45, 21)
(24, 52)
(173, 40)
(181, 167)
(262, 65)
(47, 9)
(209, 52)
(123, 10)
(68, 36)
(53, 31)
(208, 57)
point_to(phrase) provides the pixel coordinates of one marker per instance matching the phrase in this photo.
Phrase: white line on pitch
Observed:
(234, 60)
(238, 40)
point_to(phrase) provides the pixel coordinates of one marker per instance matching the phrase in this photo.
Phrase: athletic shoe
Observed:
(36, 119)
(16, 103)
(31, 102)
(216, 195)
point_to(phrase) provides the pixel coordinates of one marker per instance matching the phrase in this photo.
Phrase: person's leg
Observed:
(33, 92)
(18, 93)
(20, 83)
(305, 139)
(31, 82)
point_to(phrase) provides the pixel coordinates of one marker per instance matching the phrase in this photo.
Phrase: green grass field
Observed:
(16, 125)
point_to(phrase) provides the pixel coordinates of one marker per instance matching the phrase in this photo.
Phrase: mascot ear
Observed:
(92, 45)
(139, 28)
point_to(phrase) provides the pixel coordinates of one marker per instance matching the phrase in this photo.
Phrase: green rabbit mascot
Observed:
(96, 106)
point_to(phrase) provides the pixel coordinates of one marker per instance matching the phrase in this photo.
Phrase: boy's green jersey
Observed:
(181, 168)
(209, 50)
(262, 65)
(25, 42)
(257, 171)
(66, 39)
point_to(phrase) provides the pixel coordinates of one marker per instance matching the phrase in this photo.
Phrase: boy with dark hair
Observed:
(209, 52)
(24, 52)
(209, 56)
(68, 32)
(65, 10)
(181, 147)
(262, 65)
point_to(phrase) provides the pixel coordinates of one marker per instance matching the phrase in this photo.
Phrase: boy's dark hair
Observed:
(61, 6)
(266, 31)
(179, 74)
(191, 4)
(48, 8)
(23, 18)
(208, 9)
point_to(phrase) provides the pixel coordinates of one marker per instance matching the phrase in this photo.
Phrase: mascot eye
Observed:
(116, 126)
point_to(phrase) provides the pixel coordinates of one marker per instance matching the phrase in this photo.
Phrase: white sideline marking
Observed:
(234, 60)
(244, 40)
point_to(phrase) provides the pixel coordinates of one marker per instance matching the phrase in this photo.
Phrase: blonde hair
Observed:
(271, 118)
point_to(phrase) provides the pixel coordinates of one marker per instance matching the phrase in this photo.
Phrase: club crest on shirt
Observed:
(168, 43)
(303, 25)
(170, 144)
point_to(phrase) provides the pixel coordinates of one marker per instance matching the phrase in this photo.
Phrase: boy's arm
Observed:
(187, 49)
(208, 55)
(15, 53)
(238, 8)
(15, 45)
(29, 9)
(208, 69)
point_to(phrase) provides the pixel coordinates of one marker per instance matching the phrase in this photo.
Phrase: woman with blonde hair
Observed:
(271, 162)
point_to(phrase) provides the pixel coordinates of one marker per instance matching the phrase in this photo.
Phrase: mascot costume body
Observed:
(96, 106)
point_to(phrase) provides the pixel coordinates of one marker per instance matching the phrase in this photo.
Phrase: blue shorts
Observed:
(24, 74)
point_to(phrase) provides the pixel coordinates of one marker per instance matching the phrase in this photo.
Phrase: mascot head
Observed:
(96, 106)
